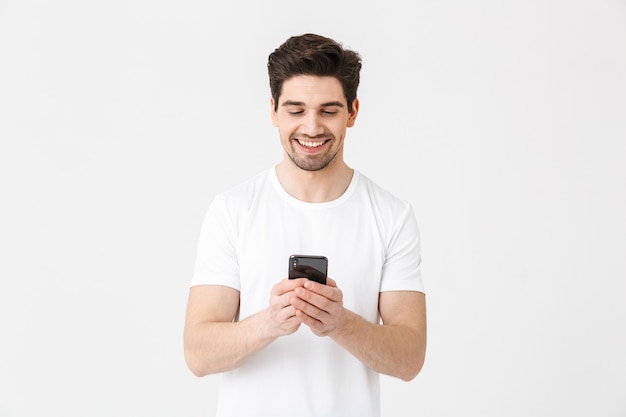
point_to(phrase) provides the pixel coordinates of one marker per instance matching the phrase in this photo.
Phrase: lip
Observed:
(311, 150)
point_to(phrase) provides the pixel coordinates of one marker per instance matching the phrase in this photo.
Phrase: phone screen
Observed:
(314, 268)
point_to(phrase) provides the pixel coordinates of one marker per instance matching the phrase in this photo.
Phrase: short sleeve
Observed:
(216, 258)
(402, 267)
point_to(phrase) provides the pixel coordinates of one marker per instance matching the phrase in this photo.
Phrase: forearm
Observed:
(212, 347)
(395, 350)
(216, 342)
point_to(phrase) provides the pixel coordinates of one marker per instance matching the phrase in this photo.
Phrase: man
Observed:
(294, 346)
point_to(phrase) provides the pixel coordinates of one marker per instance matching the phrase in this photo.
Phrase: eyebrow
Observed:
(301, 104)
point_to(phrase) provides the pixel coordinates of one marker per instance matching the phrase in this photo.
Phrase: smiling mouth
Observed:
(311, 143)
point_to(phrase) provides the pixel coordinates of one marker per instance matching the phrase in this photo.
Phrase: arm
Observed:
(215, 342)
(397, 347)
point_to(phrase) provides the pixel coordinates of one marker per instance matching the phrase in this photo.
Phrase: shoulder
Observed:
(244, 193)
(381, 199)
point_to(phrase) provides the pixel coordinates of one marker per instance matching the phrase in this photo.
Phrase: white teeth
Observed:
(310, 144)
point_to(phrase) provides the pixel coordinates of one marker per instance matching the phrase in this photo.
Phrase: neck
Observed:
(321, 186)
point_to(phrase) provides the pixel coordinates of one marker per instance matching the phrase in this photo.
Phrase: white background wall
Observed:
(504, 123)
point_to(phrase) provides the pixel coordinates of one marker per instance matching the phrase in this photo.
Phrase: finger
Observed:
(287, 285)
(313, 304)
(287, 312)
(282, 301)
(309, 309)
(310, 321)
(332, 292)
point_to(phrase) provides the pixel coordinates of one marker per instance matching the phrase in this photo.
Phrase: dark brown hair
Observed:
(311, 54)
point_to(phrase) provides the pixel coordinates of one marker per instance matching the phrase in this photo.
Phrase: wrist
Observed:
(347, 326)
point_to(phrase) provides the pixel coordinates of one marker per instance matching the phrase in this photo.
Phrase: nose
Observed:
(311, 125)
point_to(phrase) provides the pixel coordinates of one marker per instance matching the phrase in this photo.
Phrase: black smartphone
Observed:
(312, 267)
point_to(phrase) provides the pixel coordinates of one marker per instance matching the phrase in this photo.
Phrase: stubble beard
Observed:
(313, 162)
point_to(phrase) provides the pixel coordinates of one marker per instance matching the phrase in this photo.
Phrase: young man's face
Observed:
(312, 118)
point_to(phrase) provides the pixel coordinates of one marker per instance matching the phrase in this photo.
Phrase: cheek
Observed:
(339, 128)
(285, 128)
(284, 134)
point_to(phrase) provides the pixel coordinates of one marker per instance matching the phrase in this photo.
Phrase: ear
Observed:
(273, 112)
(353, 113)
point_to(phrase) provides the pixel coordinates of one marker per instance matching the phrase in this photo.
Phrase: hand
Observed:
(282, 314)
(319, 306)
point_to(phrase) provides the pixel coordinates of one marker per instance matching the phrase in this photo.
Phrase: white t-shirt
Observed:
(371, 240)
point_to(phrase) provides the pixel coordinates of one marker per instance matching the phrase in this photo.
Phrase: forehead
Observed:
(312, 90)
